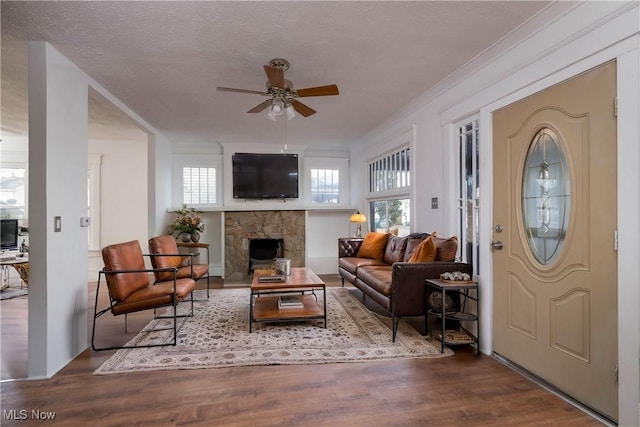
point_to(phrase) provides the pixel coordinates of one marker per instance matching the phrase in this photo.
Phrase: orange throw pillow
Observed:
(373, 245)
(425, 252)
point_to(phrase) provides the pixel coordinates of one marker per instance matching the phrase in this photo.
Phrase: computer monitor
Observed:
(9, 234)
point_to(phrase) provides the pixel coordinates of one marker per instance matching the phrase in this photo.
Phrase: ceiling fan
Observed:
(282, 95)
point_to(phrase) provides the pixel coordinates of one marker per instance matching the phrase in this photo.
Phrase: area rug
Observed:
(218, 336)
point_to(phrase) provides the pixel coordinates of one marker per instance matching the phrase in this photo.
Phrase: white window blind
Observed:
(199, 186)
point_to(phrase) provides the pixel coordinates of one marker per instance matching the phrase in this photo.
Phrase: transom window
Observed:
(390, 172)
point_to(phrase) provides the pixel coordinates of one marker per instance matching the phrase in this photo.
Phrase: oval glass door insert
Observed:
(546, 198)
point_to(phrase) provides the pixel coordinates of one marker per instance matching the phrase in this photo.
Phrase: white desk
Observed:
(19, 263)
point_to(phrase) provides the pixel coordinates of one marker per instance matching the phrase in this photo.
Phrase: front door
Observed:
(554, 212)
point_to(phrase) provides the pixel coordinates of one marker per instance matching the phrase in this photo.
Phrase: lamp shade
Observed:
(358, 217)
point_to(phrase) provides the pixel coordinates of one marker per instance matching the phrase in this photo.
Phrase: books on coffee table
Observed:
(271, 278)
(289, 301)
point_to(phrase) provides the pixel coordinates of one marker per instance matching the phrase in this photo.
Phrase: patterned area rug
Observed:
(218, 336)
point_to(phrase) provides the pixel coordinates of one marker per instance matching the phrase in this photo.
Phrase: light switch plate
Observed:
(434, 203)
(57, 224)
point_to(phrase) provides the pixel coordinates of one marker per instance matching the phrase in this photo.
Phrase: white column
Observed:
(628, 242)
(58, 108)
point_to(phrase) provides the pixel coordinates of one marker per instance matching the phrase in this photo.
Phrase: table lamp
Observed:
(358, 218)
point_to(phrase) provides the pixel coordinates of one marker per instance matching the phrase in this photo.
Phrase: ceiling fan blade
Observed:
(275, 76)
(260, 106)
(318, 91)
(230, 89)
(302, 109)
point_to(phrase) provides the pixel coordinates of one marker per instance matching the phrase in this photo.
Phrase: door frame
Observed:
(628, 94)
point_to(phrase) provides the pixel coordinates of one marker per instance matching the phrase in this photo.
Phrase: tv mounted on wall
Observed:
(9, 234)
(265, 176)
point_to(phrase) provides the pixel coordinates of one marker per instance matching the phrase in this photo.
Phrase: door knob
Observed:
(496, 245)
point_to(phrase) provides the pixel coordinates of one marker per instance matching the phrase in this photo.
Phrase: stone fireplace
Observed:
(240, 227)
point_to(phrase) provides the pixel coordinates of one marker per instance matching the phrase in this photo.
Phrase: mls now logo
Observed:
(23, 414)
(15, 414)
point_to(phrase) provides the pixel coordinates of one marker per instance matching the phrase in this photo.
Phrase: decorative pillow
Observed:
(412, 244)
(426, 252)
(419, 236)
(373, 245)
(446, 249)
(394, 250)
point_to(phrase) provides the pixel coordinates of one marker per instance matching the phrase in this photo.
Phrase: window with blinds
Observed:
(325, 186)
(199, 186)
(390, 172)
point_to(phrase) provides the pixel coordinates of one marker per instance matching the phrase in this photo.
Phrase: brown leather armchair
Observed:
(129, 288)
(164, 253)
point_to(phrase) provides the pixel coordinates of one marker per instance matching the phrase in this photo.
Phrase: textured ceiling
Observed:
(165, 59)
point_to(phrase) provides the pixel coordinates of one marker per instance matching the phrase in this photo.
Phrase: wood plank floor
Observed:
(453, 391)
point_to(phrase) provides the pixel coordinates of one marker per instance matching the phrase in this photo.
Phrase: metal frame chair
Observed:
(164, 253)
(130, 290)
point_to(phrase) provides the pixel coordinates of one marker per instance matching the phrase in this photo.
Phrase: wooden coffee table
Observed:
(302, 283)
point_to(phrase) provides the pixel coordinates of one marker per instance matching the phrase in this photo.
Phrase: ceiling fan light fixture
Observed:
(289, 111)
(275, 109)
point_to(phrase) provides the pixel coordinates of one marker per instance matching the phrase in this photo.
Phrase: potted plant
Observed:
(188, 225)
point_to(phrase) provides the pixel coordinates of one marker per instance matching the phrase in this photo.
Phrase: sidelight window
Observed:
(468, 188)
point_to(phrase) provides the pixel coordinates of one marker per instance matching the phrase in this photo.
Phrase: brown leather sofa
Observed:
(394, 283)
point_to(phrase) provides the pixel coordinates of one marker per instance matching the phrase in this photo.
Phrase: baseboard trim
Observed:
(550, 388)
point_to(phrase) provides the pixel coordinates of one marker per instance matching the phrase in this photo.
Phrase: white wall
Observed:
(323, 228)
(564, 40)
(58, 108)
(159, 164)
(123, 195)
(124, 190)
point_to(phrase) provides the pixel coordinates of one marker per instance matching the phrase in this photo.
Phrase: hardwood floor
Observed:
(453, 391)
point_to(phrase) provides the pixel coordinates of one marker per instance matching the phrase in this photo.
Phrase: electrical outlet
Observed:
(434, 203)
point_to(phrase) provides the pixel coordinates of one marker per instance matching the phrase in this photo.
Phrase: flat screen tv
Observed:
(8, 234)
(265, 176)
